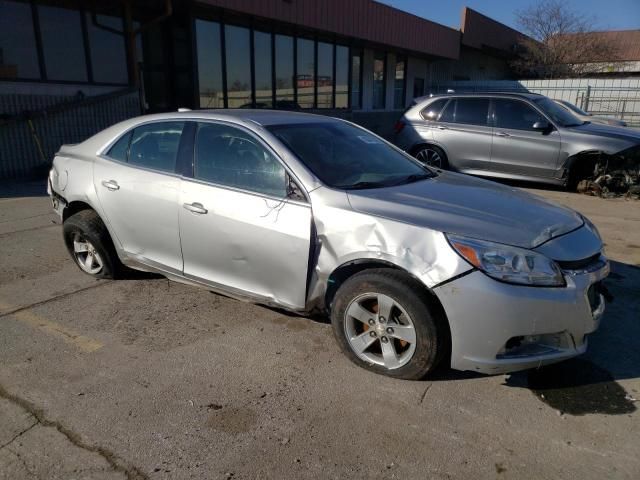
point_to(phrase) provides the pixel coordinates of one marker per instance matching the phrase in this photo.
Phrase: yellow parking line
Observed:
(81, 342)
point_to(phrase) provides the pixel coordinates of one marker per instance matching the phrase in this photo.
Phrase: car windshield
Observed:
(558, 114)
(574, 109)
(346, 157)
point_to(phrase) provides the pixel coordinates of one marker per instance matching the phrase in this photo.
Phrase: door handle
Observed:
(111, 185)
(502, 134)
(195, 207)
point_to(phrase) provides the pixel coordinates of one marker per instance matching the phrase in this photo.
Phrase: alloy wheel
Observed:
(380, 331)
(86, 255)
(430, 157)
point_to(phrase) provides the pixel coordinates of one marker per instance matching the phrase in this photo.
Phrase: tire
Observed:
(368, 290)
(432, 156)
(90, 246)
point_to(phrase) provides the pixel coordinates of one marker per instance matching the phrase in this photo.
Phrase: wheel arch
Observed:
(352, 267)
(75, 207)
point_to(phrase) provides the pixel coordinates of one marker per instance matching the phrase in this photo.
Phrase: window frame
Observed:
(385, 60)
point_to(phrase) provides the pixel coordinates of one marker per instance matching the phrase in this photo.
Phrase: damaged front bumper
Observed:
(498, 327)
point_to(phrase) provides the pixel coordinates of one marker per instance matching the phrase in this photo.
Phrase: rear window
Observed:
(471, 111)
(431, 111)
(120, 150)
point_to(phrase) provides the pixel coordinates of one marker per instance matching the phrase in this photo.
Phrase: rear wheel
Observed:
(383, 323)
(89, 244)
(431, 156)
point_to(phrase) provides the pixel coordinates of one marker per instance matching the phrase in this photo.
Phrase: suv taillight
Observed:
(397, 128)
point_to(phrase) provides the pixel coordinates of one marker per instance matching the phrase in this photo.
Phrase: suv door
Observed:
(518, 148)
(464, 132)
(138, 191)
(238, 227)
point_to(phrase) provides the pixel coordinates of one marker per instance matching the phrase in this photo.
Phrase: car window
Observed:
(229, 156)
(431, 111)
(558, 114)
(155, 145)
(471, 111)
(120, 150)
(515, 114)
(347, 157)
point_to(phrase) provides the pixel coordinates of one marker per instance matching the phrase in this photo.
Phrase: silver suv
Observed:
(509, 135)
(311, 213)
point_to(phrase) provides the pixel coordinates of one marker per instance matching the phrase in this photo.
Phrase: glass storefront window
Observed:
(356, 79)
(18, 53)
(399, 83)
(108, 55)
(305, 79)
(284, 70)
(262, 55)
(342, 77)
(325, 75)
(379, 62)
(238, 55)
(209, 64)
(62, 43)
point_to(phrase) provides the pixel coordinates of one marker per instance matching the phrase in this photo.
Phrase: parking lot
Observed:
(145, 378)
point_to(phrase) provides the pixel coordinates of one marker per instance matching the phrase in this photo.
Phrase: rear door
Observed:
(238, 227)
(518, 148)
(138, 190)
(464, 132)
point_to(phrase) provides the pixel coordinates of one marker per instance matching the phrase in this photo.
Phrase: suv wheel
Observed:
(382, 322)
(432, 156)
(90, 245)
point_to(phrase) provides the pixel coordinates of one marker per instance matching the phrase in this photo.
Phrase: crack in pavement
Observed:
(19, 434)
(6, 234)
(115, 462)
(53, 299)
(424, 394)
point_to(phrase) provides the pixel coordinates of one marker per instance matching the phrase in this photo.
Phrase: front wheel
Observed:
(431, 156)
(383, 323)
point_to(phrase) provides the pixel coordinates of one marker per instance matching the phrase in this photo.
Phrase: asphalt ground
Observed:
(146, 378)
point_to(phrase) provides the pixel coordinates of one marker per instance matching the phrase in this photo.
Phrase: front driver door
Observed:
(517, 147)
(238, 229)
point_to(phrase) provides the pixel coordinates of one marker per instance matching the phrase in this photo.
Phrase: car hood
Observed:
(455, 203)
(611, 131)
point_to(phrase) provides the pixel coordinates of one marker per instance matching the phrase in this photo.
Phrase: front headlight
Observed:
(508, 264)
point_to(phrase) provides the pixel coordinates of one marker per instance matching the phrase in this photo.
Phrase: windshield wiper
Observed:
(415, 177)
(363, 185)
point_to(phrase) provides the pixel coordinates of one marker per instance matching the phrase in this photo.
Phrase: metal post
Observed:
(586, 99)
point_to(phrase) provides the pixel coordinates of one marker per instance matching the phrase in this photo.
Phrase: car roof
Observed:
(262, 117)
(496, 93)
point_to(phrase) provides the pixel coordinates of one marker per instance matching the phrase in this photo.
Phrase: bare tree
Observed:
(560, 42)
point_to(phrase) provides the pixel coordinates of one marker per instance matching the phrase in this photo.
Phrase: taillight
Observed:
(398, 126)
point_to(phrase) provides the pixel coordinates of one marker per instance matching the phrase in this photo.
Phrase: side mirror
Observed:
(542, 125)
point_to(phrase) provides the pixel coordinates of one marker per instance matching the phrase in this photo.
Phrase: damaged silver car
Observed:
(415, 266)
(519, 136)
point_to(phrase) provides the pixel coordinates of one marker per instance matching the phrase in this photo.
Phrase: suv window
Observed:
(229, 156)
(155, 145)
(431, 111)
(515, 114)
(472, 111)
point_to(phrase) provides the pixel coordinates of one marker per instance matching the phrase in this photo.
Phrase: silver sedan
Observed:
(415, 266)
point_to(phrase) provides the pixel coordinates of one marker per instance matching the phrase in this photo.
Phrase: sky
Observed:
(609, 14)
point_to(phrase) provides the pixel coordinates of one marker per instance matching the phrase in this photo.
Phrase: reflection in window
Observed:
(108, 56)
(62, 43)
(379, 61)
(228, 156)
(399, 83)
(342, 77)
(209, 64)
(325, 75)
(155, 145)
(18, 54)
(262, 54)
(305, 77)
(356, 79)
(515, 114)
(238, 55)
(284, 70)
